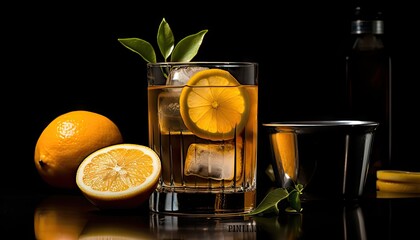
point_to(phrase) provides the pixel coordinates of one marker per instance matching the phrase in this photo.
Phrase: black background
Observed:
(63, 57)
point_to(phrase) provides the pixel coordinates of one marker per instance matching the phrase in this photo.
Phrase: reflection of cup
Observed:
(334, 220)
(354, 222)
(329, 158)
(204, 130)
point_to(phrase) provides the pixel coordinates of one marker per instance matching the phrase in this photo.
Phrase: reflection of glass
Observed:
(286, 150)
(204, 171)
(182, 227)
(284, 226)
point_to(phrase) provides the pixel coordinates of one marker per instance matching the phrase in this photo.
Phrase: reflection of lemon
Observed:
(385, 194)
(67, 140)
(114, 226)
(213, 105)
(119, 176)
(61, 217)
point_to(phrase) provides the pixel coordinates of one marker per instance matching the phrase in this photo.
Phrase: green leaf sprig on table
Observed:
(184, 51)
(269, 205)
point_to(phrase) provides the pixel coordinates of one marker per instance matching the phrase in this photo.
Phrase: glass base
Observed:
(203, 203)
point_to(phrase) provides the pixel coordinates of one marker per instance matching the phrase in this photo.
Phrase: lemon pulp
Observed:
(213, 105)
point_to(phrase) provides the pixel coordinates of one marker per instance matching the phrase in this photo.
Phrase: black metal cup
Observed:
(329, 158)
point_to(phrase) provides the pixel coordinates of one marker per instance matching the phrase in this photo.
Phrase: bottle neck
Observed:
(368, 42)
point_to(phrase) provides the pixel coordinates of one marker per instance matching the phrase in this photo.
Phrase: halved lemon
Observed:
(119, 176)
(213, 105)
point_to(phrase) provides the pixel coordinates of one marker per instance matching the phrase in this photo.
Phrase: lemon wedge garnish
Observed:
(398, 176)
(398, 187)
(213, 105)
(398, 181)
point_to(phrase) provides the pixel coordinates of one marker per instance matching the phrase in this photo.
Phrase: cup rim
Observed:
(321, 123)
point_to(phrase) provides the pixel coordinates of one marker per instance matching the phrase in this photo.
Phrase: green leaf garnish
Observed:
(141, 47)
(188, 47)
(184, 51)
(165, 39)
(294, 199)
(271, 201)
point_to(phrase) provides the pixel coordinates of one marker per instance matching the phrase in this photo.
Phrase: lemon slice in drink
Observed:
(213, 105)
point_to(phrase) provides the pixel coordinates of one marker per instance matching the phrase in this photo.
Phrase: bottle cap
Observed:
(367, 26)
(366, 20)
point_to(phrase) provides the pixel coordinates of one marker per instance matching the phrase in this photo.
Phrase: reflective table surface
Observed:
(71, 216)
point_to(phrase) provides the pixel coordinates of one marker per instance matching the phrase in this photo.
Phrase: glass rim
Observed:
(214, 63)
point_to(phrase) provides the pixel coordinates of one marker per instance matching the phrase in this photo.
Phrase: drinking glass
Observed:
(203, 125)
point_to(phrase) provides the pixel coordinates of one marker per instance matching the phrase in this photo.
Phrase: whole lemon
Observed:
(67, 140)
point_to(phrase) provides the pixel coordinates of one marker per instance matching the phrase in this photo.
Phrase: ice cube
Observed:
(215, 161)
(168, 102)
(179, 76)
(169, 117)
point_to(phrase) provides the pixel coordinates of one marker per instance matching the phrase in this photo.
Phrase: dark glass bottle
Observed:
(368, 79)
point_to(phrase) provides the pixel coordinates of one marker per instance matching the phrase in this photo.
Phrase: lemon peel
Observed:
(67, 140)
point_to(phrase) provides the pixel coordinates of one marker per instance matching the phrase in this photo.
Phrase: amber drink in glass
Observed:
(203, 124)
